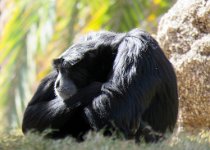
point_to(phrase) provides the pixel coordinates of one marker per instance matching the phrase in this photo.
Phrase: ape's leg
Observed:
(45, 110)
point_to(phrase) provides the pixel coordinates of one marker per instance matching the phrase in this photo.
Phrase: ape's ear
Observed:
(57, 62)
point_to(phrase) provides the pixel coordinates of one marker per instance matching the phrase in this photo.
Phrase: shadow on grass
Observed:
(95, 141)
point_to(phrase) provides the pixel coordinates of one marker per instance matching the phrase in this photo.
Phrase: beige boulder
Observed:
(184, 35)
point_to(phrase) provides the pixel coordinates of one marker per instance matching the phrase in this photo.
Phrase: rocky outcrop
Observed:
(184, 35)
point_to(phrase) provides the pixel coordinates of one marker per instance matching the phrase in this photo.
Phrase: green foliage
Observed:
(35, 31)
(25, 27)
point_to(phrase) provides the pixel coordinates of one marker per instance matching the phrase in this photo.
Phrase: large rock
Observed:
(183, 34)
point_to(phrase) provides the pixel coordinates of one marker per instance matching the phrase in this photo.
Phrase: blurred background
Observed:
(33, 32)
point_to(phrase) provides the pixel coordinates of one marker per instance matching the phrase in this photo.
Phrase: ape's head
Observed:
(80, 65)
(70, 78)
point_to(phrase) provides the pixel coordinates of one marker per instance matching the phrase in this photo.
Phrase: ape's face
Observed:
(64, 86)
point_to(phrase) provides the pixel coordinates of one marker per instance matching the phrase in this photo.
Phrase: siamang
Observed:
(118, 80)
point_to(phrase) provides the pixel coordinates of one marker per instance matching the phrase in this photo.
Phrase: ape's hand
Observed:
(84, 96)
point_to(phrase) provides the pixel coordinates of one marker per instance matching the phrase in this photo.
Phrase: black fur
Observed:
(135, 90)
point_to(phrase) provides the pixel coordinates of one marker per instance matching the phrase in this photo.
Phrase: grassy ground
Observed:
(185, 141)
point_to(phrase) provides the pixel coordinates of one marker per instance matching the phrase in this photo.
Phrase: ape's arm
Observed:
(45, 110)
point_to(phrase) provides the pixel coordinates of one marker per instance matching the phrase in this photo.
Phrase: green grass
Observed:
(185, 141)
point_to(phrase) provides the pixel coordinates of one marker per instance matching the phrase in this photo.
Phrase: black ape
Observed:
(107, 78)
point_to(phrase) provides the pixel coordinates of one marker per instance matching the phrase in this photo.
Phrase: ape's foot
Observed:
(151, 136)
